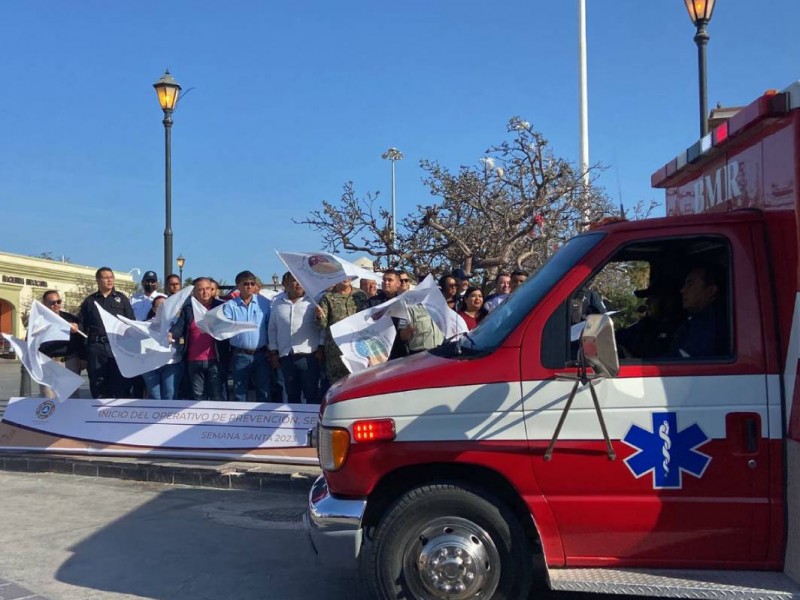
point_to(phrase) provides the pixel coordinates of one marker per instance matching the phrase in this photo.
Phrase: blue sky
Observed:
(292, 99)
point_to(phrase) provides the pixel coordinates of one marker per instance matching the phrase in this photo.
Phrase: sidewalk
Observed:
(212, 474)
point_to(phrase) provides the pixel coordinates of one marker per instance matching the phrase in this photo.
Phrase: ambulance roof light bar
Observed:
(770, 104)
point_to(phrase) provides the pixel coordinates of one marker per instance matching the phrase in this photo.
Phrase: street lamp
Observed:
(181, 261)
(275, 281)
(168, 91)
(393, 155)
(700, 13)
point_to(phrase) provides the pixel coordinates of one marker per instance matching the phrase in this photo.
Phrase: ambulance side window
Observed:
(669, 300)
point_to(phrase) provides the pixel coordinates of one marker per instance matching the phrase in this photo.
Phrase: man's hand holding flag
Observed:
(44, 325)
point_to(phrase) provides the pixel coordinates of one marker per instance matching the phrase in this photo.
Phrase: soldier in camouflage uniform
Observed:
(334, 306)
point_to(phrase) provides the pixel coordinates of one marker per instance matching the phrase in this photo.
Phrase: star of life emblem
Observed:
(666, 451)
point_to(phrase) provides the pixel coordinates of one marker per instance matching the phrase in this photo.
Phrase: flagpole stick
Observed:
(83, 334)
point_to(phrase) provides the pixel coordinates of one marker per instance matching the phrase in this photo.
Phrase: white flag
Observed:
(318, 271)
(216, 324)
(428, 295)
(62, 381)
(135, 350)
(44, 325)
(166, 315)
(365, 338)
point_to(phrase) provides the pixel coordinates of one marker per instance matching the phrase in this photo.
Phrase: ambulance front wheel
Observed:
(447, 541)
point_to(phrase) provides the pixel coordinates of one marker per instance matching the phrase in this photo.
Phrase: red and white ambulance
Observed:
(473, 470)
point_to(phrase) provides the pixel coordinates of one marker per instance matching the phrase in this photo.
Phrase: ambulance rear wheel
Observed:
(447, 542)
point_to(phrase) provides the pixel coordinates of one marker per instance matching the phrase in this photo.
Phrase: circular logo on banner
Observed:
(323, 265)
(45, 409)
(372, 349)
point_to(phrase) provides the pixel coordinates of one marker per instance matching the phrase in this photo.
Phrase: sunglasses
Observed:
(404, 280)
(248, 283)
(53, 302)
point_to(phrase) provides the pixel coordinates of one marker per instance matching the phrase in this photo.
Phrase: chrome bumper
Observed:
(334, 526)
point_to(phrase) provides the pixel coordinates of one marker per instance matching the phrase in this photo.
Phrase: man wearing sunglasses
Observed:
(64, 351)
(250, 359)
(405, 282)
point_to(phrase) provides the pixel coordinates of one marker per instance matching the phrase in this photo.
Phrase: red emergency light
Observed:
(374, 430)
(771, 104)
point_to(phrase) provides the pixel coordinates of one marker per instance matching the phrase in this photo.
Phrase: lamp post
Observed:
(275, 281)
(181, 261)
(700, 13)
(393, 155)
(168, 91)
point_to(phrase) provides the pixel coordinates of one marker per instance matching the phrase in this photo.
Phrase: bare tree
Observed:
(511, 210)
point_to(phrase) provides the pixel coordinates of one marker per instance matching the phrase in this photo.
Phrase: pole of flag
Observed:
(583, 138)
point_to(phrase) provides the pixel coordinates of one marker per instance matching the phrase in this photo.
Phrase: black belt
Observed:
(250, 352)
(99, 338)
(293, 354)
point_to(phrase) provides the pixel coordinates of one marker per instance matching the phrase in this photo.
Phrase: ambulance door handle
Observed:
(750, 435)
(744, 432)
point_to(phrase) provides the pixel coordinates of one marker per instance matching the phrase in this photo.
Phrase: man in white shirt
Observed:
(502, 288)
(296, 341)
(142, 301)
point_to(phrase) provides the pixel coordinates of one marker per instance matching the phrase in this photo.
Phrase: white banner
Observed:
(427, 294)
(216, 324)
(365, 338)
(318, 271)
(164, 425)
(44, 325)
(62, 381)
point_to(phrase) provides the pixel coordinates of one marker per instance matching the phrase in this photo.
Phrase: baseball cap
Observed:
(460, 274)
(149, 276)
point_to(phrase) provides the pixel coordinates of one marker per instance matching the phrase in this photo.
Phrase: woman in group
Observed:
(473, 312)
(449, 287)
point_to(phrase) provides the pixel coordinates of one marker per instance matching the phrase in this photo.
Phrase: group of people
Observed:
(290, 345)
(468, 300)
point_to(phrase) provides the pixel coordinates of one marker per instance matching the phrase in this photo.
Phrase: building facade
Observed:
(24, 279)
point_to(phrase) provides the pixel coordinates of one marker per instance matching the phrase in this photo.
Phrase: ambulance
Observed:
(540, 450)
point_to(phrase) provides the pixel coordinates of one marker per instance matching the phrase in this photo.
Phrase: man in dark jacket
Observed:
(705, 333)
(390, 288)
(105, 380)
(205, 357)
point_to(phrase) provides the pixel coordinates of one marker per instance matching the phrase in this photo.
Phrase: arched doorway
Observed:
(6, 323)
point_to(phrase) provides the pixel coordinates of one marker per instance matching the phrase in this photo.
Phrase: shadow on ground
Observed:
(188, 544)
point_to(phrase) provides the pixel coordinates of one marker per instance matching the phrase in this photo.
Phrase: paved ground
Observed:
(73, 538)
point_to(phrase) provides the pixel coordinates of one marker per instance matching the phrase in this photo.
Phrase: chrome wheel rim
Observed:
(452, 558)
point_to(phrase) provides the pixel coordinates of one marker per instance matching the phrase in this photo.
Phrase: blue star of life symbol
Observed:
(667, 452)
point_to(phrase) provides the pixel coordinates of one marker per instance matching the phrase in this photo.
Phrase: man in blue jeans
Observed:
(249, 348)
(295, 341)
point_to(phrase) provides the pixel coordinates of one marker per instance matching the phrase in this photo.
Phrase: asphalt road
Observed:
(83, 538)
(74, 538)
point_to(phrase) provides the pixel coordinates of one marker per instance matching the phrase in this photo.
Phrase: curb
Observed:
(210, 474)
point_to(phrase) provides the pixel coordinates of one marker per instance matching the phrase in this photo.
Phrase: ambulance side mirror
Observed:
(599, 345)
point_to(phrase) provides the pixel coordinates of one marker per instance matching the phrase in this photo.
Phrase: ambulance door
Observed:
(687, 484)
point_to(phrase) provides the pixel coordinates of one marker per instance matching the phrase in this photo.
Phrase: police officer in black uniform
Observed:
(105, 380)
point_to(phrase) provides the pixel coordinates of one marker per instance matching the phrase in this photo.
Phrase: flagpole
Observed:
(583, 140)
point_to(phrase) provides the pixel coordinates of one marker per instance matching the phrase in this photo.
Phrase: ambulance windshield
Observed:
(499, 324)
